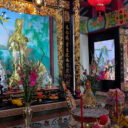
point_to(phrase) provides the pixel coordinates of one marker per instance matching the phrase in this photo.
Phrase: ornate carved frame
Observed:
(22, 6)
(77, 41)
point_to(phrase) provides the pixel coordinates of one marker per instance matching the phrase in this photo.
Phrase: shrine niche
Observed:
(37, 42)
(37, 34)
(28, 11)
(40, 34)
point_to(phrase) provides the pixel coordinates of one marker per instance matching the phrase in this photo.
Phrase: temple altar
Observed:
(52, 75)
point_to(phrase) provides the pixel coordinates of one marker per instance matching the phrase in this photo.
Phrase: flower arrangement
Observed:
(94, 76)
(96, 73)
(29, 78)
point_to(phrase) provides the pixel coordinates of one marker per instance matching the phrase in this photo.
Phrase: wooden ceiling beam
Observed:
(84, 4)
(117, 4)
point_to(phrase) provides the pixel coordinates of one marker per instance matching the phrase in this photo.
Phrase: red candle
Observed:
(117, 103)
(81, 111)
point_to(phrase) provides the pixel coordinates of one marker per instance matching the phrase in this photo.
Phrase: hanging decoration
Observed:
(38, 3)
(99, 4)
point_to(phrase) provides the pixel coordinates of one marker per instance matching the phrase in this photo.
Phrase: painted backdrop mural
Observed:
(36, 29)
(106, 51)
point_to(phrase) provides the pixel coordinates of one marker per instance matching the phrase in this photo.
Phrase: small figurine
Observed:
(49, 85)
(69, 98)
(78, 91)
(89, 98)
(3, 77)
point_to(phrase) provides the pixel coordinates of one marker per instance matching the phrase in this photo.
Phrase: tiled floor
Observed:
(11, 122)
(58, 122)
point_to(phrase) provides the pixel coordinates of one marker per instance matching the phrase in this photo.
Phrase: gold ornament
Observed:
(116, 126)
(77, 40)
(86, 125)
(22, 6)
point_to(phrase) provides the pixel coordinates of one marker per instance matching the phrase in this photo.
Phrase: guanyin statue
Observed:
(17, 45)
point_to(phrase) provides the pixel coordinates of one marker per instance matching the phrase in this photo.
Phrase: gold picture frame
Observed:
(77, 43)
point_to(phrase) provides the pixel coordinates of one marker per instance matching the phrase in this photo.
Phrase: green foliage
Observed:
(28, 73)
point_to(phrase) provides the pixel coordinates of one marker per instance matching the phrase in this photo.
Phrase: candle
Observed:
(81, 111)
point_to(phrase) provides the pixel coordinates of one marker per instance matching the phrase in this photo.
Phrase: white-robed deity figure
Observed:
(17, 45)
(46, 79)
(3, 76)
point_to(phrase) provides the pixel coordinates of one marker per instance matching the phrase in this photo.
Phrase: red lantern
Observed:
(99, 4)
(92, 2)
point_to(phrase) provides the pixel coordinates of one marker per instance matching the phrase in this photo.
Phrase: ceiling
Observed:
(86, 10)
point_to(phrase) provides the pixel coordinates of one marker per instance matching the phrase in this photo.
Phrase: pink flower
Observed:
(33, 77)
(32, 83)
(96, 126)
(101, 75)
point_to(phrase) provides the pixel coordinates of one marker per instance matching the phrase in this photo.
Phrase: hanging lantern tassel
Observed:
(99, 4)
(100, 8)
(100, 18)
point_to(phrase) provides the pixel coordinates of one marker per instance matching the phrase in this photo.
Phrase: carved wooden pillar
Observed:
(77, 42)
(68, 47)
(72, 45)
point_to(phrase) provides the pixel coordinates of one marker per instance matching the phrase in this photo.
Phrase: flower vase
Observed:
(27, 116)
